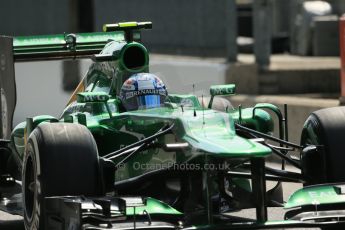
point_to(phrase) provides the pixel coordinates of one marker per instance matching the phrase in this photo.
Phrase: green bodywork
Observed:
(222, 90)
(209, 133)
(153, 206)
(317, 196)
(30, 43)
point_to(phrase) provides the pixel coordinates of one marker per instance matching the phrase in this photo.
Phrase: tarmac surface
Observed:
(11, 222)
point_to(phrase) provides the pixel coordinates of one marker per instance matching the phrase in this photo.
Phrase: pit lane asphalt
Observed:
(14, 222)
(11, 222)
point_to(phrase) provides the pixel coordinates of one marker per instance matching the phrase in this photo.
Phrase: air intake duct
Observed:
(133, 58)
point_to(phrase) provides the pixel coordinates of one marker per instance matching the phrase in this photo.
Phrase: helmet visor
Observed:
(149, 101)
(144, 102)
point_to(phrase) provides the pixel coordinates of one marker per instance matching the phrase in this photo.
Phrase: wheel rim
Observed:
(29, 187)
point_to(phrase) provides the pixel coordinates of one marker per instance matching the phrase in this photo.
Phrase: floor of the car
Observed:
(11, 199)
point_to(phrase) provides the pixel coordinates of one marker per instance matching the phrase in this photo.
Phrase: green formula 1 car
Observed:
(125, 154)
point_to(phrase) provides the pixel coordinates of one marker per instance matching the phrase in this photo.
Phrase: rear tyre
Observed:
(60, 159)
(325, 127)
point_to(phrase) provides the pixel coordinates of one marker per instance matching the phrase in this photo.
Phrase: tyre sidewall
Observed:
(326, 128)
(33, 222)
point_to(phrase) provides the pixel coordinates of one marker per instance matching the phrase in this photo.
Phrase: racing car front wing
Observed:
(77, 212)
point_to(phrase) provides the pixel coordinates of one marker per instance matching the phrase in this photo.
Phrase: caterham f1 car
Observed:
(125, 154)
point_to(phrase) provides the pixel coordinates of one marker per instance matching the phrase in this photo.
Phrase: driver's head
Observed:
(143, 91)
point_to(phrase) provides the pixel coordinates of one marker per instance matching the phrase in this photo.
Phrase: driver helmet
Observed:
(143, 91)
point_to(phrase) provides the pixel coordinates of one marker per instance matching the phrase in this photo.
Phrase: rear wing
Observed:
(82, 45)
(52, 47)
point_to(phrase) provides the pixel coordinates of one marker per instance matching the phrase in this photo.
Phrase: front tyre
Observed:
(326, 129)
(61, 159)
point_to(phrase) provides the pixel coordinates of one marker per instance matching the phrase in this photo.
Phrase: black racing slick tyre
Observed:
(61, 159)
(326, 129)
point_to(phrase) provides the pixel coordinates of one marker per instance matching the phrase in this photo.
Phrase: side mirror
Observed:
(85, 97)
(221, 90)
(92, 97)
